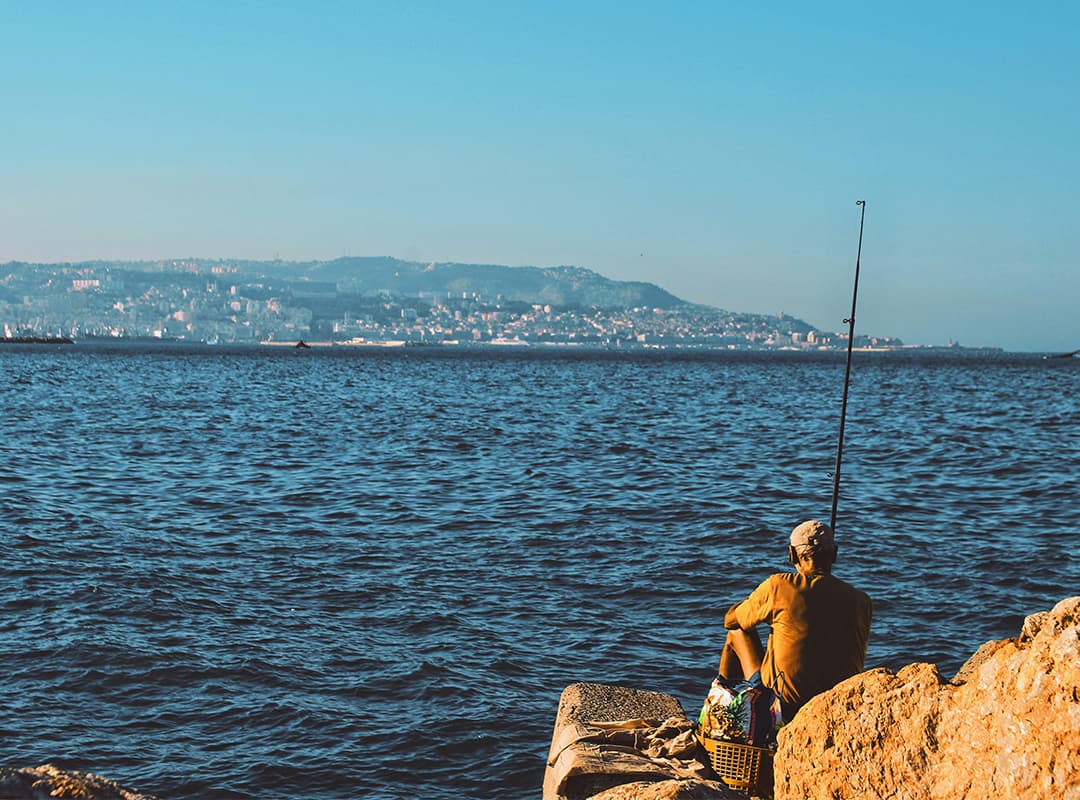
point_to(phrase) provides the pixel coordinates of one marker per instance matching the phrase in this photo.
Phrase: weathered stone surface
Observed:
(669, 790)
(582, 702)
(48, 783)
(617, 743)
(1008, 726)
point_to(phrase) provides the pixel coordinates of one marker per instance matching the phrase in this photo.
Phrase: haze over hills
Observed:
(558, 286)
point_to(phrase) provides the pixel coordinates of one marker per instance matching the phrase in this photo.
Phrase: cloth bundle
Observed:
(746, 712)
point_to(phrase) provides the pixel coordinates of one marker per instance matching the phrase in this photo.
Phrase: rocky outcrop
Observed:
(48, 783)
(615, 743)
(1007, 726)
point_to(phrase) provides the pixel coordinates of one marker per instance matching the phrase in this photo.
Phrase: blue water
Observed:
(268, 573)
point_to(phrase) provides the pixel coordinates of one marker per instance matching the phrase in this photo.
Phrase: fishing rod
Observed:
(847, 371)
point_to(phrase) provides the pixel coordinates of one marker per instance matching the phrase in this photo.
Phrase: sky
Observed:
(716, 149)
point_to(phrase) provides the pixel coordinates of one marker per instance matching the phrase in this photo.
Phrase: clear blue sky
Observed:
(714, 148)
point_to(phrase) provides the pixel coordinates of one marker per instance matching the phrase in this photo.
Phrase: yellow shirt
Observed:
(820, 627)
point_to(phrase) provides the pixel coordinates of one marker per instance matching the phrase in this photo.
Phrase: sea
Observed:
(258, 572)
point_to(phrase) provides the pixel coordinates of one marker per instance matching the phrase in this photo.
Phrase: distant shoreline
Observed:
(520, 345)
(627, 347)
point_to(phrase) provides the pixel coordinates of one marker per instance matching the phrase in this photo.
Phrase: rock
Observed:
(615, 743)
(48, 783)
(668, 790)
(1007, 726)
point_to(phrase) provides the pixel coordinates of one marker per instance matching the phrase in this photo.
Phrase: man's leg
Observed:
(741, 656)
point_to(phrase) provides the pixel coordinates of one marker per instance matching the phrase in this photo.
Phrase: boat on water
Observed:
(36, 340)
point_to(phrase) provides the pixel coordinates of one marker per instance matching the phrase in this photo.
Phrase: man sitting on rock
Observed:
(820, 625)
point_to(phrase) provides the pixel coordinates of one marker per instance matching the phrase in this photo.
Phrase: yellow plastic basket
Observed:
(741, 766)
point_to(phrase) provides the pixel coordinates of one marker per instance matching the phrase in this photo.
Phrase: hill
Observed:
(558, 286)
(376, 299)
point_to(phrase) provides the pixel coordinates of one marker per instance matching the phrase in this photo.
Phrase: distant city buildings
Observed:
(221, 303)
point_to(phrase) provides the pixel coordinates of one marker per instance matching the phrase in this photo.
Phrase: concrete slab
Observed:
(578, 765)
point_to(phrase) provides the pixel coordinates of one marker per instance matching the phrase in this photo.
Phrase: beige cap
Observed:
(813, 536)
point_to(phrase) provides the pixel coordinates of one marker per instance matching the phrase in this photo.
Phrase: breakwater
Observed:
(1003, 726)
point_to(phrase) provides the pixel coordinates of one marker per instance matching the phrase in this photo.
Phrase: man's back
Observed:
(820, 627)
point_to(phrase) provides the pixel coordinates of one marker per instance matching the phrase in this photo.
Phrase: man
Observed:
(820, 625)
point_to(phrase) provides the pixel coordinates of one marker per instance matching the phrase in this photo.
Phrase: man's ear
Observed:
(792, 556)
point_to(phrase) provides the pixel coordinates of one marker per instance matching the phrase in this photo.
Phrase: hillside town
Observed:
(221, 303)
